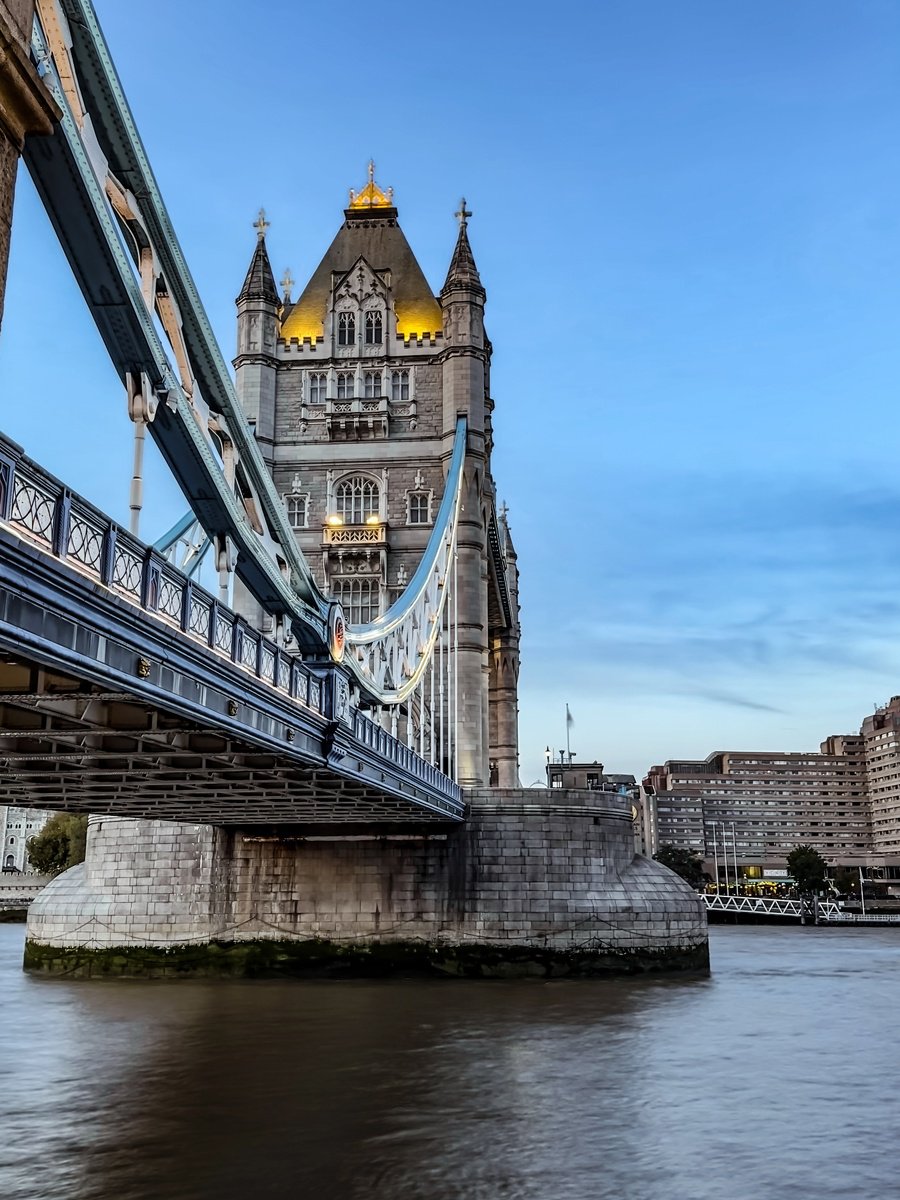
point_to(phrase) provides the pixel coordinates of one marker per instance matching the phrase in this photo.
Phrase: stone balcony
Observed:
(373, 536)
(357, 418)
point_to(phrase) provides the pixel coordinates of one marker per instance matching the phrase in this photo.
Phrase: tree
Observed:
(808, 869)
(686, 863)
(59, 845)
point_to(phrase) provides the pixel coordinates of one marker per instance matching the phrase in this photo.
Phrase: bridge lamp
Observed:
(373, 520)
(335, 520)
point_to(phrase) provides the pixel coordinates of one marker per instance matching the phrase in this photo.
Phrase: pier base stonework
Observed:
(530, 886)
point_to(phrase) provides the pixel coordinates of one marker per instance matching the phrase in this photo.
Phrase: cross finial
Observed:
(504, 511)
(261, 224)
(371, 170)
(287, 282)
(463, 215)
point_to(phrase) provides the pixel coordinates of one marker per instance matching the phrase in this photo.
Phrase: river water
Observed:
(771, 1077)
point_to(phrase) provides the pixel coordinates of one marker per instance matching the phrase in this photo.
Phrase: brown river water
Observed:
(773, 1077)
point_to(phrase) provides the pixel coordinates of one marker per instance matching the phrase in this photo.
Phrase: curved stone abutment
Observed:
(535, 884)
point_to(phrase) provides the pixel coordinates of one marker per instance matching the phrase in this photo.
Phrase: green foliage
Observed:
(59, 845)
(686, 863)
(808, 869)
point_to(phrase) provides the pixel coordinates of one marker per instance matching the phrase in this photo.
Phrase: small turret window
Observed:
(346, 329)
(419, 508)
(373, 328)
(345, 388)
(297, 509)
(399, 385)
(372, 384)
(317, 384)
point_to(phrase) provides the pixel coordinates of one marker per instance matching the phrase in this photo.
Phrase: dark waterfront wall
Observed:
(523, 888)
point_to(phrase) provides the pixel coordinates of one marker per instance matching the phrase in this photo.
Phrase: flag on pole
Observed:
(570, 720)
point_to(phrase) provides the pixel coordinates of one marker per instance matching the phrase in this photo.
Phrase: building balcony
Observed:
(371, 535)
(358, 418)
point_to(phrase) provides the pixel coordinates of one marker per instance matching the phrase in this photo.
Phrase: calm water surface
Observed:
(774, 1077)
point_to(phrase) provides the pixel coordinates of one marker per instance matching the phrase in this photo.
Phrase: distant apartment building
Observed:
(881, 735)
(754, 807)
(17, 825)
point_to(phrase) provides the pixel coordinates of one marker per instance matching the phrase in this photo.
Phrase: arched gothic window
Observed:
(373, 328)
(297, 507)
(356, 500)
(317, 386)
(399, 385)
(372, 384)
(359, 598)
(345, 388)
(346, 329)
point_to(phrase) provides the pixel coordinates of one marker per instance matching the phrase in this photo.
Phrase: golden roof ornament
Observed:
(372, 195)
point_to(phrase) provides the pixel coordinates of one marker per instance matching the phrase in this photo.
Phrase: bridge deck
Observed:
(125, 688)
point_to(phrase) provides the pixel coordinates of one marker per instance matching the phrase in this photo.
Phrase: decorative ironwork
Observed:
(224, 633)
(171, 596)
(198, 617)
(127, 571)
(315, 695)
(284, 674)
(248, 650)
(85, 541)
(33, 508)
(267, 671)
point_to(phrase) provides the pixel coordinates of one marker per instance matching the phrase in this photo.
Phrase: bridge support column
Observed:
(541, 889)
(25, 107)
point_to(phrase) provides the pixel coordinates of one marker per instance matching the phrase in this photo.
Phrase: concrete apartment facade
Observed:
(754, 807)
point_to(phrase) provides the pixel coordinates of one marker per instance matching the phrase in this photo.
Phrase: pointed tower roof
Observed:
(463, 273)
(260, 282)
(370, 231)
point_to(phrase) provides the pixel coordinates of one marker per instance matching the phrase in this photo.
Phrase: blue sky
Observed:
(687, 217)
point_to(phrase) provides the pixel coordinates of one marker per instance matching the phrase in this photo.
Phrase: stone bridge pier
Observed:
(529, 886)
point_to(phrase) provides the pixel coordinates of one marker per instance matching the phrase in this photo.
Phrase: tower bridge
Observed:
(325, 752)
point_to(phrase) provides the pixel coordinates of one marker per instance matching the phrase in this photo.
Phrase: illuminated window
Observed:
(297, 511)
(373, 328)
(418, 508)
(399, 385)
(346, 329)
(359, 598)
(317, 388)
(356, 500)
(372, 384)
(345, 385)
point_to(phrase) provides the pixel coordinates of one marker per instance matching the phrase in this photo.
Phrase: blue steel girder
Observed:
(84, 599)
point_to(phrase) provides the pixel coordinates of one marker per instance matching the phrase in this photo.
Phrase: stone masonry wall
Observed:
(552, 879)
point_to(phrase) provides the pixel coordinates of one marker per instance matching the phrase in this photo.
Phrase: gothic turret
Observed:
(255, 367)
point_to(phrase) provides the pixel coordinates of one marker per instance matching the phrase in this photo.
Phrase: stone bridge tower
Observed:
(355, 389)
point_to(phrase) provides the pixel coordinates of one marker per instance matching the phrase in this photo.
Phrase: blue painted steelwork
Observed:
(80, 595)
(95, 165)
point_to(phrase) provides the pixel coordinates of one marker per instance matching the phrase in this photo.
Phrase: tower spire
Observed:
(259, 283)
(463, 273)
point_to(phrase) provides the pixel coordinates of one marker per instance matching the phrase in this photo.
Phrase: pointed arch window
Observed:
(345, 385)
(374, 328)
(357, 499)
(346, 329)
(418, 510)
(399, 385)
(317, 387)
(297, 511)
(359, 597)
(372, 384)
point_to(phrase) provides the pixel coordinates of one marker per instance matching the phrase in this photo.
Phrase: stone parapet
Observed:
(545, 888)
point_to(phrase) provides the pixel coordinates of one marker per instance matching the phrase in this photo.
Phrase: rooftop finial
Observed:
(463, 215)
(372, 196)
(287, 282)
(261, 224)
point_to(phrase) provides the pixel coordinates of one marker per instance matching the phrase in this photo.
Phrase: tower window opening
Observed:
(359, 598)
(419, 508)
(297, 511)
(372, 384)
(317, 386)
(374, 327)
(399, 385)
(345, 385)
(356, 500)
(346, 329)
